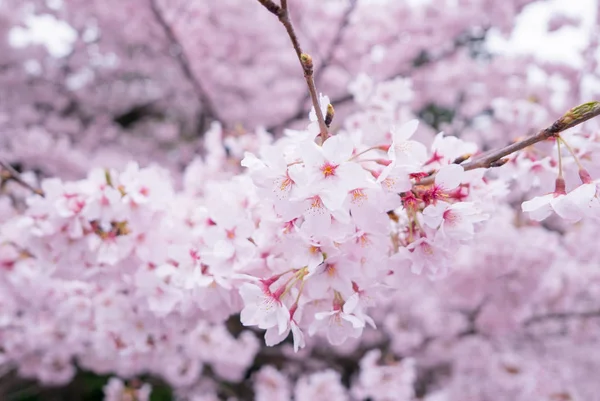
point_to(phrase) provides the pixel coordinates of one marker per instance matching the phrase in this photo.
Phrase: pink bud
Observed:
(585, 176)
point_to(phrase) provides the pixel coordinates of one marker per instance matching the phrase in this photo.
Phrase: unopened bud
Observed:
(329, 115)
(307, 63)
(393, 216)
(108, 178)
(462, 158)
(499, 163)
(579, 113)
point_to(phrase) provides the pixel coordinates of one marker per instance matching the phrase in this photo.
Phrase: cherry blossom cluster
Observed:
(308, 240)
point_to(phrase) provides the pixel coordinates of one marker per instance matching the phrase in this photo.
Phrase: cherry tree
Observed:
(275, 200)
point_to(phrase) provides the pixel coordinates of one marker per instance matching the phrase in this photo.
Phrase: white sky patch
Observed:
(531, 35)
(57, 36)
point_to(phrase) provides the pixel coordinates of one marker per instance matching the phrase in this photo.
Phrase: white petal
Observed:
(405, 131)
(450, 176)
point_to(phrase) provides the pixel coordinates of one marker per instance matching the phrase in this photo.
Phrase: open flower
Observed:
(263, 308)
(340, 323)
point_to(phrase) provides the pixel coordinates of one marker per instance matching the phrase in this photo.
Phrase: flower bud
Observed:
(307, 63)
(462, 158)
(499, 163)
(329, 115)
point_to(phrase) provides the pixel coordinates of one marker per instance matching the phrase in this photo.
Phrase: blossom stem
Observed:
(383, 162)
(363, 152)
(560, 167)
(291, 282)
(300, 290)
(571, 151)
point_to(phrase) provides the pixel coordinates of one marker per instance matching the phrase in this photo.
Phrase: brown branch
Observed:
(271, 6)
(184, 63)
(326, 61)
(347, 97)
(12, 174)
(573, 117)
(283, 14)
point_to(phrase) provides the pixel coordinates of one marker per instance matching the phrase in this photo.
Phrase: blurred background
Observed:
(97, 83)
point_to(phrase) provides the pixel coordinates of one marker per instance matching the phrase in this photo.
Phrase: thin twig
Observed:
(347, 97)
(282, 13)
(335, 43)
(573, 117)
(562, 316)
(327, 59)
(16, 176)
(184, 63)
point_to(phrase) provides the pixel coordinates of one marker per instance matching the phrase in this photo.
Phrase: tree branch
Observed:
(347, 97)
(184, 63)
(305, 60)
(337, 39)
(573, 117)
(14, 175)
(325, 62)
(562, 316)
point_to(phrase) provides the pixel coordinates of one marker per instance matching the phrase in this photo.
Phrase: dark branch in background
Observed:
(209, 112)
(328, 58)
(10, 173)
(562, 316)
(573, 117)
(282, 12)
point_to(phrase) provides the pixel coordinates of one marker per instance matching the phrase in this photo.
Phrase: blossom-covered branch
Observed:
(577, 115)
(572, 118)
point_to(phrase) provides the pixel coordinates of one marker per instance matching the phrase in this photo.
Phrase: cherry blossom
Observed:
(173, 212)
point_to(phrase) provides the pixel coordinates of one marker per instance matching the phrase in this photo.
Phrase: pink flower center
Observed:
(314, 250)
(426, 248)
(450, 217)
(316, 203)
(330, 269)
(328, 169)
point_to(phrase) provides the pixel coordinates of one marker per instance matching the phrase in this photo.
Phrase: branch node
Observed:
(307, 64)
(271, 6)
